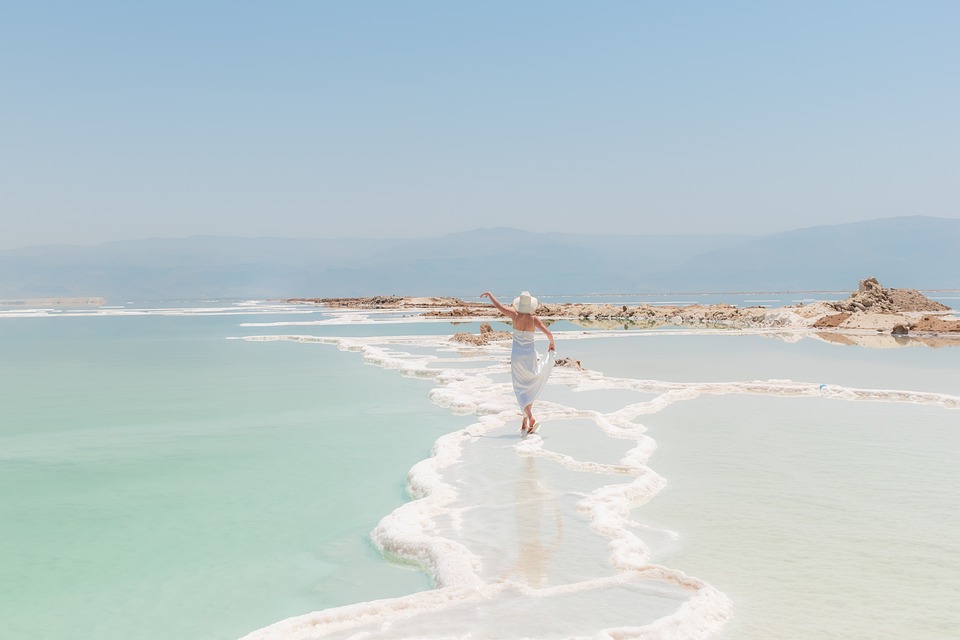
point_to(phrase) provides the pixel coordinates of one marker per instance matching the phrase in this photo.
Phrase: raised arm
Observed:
(510, 312)
(537, 321)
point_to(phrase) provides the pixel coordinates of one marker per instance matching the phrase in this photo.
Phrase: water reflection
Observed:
(888, 341)
(539, 522)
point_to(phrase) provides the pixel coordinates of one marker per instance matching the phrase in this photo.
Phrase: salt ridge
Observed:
(406, 532)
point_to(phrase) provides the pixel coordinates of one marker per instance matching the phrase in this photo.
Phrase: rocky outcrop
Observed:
(606, 316)
(569, 363)
(933, 324)
(832, 321)
(872, 308)
(384, 302)
(466, 311)
(874, 297)
(486, 336)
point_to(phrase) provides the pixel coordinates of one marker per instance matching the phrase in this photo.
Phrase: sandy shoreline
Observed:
(871, 312)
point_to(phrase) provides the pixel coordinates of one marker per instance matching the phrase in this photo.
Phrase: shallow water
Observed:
(794, 505)
(547, 513)
(159, 480)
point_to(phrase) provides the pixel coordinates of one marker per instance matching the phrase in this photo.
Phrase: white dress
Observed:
(530, 370)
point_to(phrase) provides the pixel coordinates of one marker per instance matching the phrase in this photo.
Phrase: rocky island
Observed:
(871, 310)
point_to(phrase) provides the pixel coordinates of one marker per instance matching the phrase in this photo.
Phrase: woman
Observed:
(529, 372)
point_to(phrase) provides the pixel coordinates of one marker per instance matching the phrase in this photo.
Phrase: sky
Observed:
(133, 119)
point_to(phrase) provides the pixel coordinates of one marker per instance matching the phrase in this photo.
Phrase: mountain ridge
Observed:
(913, 251)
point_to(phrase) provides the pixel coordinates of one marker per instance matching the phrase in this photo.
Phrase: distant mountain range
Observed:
(914, 252)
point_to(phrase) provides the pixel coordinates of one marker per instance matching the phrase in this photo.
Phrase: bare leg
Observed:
(530, 420)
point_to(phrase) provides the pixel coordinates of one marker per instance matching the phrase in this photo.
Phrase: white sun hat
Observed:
(525, 303)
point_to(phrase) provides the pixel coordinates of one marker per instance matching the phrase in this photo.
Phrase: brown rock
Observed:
(869, 284)
(468, 338)
(568, 362)
(385, 302)
(905, 300)
(828, 322)
(933, 324)
(877, 298)
(486, 336)
(872, 307)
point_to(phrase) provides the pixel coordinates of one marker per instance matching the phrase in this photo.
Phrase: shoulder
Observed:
(524, 321)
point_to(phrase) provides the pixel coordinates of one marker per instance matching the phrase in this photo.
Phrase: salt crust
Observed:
(407, 533)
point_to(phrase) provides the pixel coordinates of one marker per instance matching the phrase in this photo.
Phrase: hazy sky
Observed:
(128, 119)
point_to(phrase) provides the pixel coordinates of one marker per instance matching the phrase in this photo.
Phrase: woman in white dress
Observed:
(530, 371)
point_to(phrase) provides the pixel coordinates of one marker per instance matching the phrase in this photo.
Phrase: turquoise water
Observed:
(812, 484)
(160, 478)
(160, 481)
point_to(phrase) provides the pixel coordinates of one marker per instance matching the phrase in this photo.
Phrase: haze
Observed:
(404, 120)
